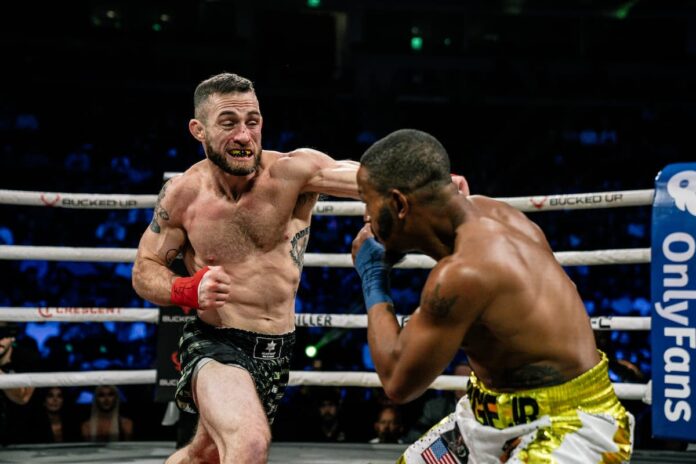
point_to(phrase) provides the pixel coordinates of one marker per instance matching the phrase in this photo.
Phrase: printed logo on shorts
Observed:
(267, 348)
(455, 444)
(438, 453)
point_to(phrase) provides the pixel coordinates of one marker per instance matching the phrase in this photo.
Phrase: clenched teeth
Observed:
(240, 152)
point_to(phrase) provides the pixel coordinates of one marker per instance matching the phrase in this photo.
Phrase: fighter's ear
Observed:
(400, 202)
(197, 129)
(461, 183)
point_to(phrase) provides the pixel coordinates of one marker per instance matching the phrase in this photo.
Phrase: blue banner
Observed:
(673, 329)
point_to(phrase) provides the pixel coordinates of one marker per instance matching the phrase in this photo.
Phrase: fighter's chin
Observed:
(235, 167)
(240, 170)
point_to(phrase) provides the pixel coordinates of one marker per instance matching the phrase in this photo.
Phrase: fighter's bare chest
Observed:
(234, 229)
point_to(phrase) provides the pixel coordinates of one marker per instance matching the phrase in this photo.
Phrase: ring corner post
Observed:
(673, 291)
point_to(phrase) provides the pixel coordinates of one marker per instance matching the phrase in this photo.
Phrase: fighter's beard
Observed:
(221, 161)
(385, 222)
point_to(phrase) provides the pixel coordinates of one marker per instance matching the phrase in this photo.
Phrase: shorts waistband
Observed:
(257, 345)
(591, 390)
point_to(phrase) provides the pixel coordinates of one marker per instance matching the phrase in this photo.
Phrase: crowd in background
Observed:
(537, 116)
(615, 290)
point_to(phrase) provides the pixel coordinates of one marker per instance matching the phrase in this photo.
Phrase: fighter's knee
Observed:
(198, 452)
(253, 443)
(257, 439)
(259, 447)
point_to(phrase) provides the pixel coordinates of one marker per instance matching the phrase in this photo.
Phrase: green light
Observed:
(622, 11)
(448, 42)
(68, 348)
(314, 3)
(311, 351)
(102, 349)
(416, 43)
(157, 27)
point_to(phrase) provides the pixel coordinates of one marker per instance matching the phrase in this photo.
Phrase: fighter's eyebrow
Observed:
(227, 113)
(237, 113)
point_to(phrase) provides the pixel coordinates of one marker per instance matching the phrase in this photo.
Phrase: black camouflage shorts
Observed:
(265, 357)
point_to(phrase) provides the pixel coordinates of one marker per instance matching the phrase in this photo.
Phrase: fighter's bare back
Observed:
(532, 302)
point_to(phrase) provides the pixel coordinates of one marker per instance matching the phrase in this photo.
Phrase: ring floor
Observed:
(287, 453)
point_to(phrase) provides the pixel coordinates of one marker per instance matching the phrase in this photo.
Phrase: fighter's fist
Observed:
(214, 288)
(368, 258)
(364, 234)
(208, 288)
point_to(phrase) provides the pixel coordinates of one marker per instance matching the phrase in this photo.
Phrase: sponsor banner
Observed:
(581, 200)
(98, 203)
(317, 320)
(588, 199)
(48, 311)
(74, 313)
(673, 319)
(78, 314)
(76, 200)
(343, 321)
(171, 323)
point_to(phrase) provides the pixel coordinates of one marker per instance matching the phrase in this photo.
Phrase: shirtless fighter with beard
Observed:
(240, 218)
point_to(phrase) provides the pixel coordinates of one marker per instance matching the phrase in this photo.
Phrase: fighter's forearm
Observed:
(382, 335)
(153, 281)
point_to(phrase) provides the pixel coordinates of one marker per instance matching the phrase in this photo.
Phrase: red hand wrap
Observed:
(185, 290)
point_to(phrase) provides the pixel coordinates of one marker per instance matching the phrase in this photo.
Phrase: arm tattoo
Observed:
(171, 255)
(532, 376)
(298, 245)
(305, 198)
(438, 306)
(159, 211)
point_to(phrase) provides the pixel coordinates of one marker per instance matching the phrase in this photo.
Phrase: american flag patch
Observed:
(437, 453)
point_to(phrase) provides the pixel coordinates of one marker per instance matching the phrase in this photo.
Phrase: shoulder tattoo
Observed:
(160, 213)
(298, 245)
(437, 305)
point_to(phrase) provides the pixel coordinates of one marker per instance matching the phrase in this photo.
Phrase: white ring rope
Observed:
(74, 314)
(336, 208)
(341, 321)
(595, 200)
(339, 379)
(127, 255)
(76, 200)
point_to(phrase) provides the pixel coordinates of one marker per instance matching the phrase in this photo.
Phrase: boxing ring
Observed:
(280, 452)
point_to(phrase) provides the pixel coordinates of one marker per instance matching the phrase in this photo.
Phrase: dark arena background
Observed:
(529, 97)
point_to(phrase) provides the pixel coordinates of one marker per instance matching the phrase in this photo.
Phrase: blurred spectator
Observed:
(389, 426)
(105, 422)
(6, 236)
(54, 420)
(325, 423)
(15, 358)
